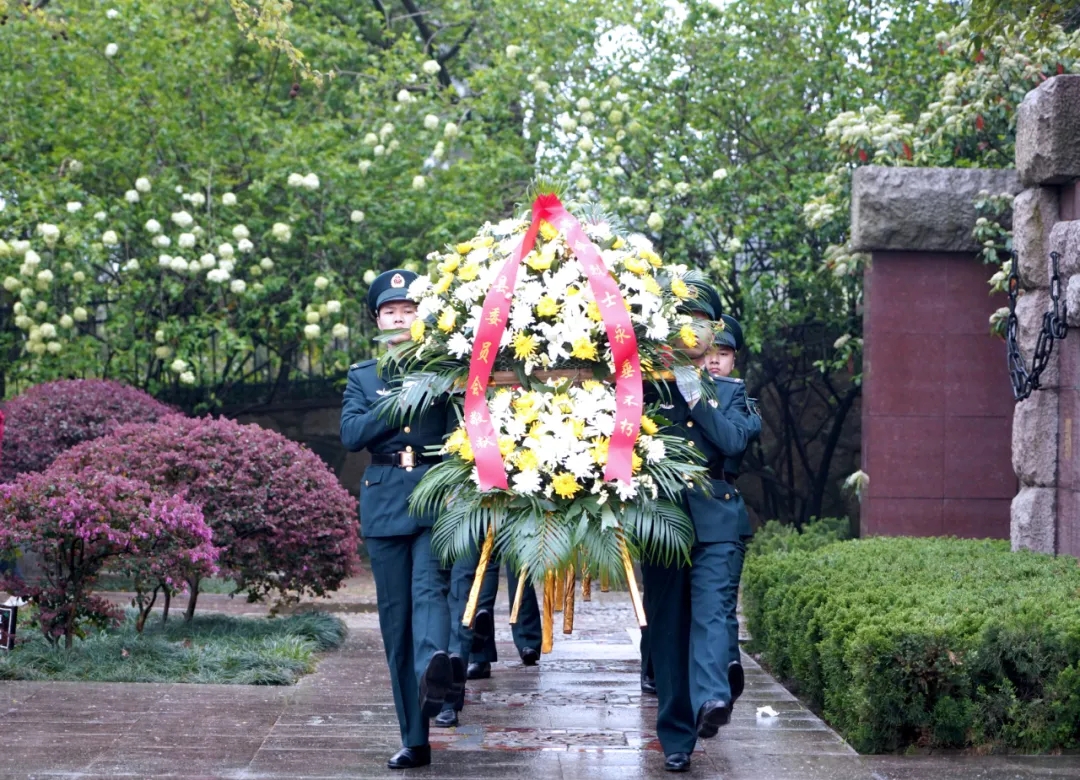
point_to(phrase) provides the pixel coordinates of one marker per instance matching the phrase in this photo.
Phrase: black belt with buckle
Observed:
(717, 472)
(405, 459)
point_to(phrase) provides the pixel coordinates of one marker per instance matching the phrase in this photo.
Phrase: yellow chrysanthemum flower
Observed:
(565, 486)
(464, 247)
(465, 452)
(527, 460)
(636, 265)
(584, 349)
(524, 346)
(599, 451)
(469, 272)
(542, 260)
(526, 416)
(459, 437)
(525, 401)
(548, 231)
(650, 284)
(506, 446)
(651, 257)
(648, 427)
(443, 284)
(563, 404)
(547, 307)
(534, 431)
(679, 289)
(416, 330)
(593, 310)
(635, 463)
(483, 241)
(447, 319)
(688, 336)
(572, 291)
(591, 385)
(578, 427)
(450, 265)
(618, 243)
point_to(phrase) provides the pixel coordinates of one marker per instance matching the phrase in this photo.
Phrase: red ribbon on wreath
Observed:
(489, 333)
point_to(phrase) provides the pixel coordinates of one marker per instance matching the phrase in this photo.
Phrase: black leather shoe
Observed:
(677, 762)
(737, 679)
(435, 684)
(648, 685)
(483, 630)
(445, 719)
(529, 656)
(712, 715)
(457, 687)
(410, 758)
(478, 671)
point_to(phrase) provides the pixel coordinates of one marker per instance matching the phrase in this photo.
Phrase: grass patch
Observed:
(210, 649)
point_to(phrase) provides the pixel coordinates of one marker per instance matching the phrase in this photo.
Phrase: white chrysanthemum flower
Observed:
(67, 322)
(356, 217)
(240, 231)
(333, 307)
(178, 366)
(228, 199)
(238, 286)
(186, 240)
(431, 67)
(311, 182)
(226, 250)
(109, 238)
(340, 331)
(458, 345)
(218, 276)
(281, 232)
(183, 219)
(79, 314)
(161, 241)
(73, 206)
(266, 264)
(295, 180)
(369, 276)
(364, 165)
(431, 122)
(321, 282)
(244, 245)
(152, 226)
(527, 482)
(419, 182)
(187, 378)
(450, 130)
(312, 332)
(111, 50)
(655, 450)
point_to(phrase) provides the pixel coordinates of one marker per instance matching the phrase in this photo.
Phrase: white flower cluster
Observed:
(555, 444)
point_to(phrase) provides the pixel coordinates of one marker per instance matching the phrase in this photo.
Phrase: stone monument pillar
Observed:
(937, 407)
(1045, 513)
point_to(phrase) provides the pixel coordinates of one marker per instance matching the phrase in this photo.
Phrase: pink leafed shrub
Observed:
(52, 417)
(79, 522)
(283, 522)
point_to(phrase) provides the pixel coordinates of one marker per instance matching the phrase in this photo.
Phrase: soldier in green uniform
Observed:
(411, 585)
(687, 605)
(719, 361)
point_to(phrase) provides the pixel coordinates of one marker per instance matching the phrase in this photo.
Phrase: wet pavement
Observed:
(580, 714)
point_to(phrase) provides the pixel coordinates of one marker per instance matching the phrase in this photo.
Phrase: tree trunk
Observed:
(822, 476)
(193, 596)
(168, 602)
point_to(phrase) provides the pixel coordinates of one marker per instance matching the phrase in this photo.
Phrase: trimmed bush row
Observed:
(925, 642)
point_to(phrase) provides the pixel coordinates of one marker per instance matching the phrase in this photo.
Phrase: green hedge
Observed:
(924, 642)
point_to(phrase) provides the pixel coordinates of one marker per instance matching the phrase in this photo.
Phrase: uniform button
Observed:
(367, 483)
(407, 429)
(690, 442)
(408, 468)
(727, 496)
(689, 423)
(408, 449)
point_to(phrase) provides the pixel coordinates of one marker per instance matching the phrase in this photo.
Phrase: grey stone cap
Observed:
(1048, 132)
(921, 209)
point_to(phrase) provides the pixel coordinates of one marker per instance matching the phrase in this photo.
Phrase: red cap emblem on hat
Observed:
(397, 280)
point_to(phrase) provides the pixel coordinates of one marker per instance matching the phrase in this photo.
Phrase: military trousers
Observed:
(737, 555)
(689, 640)
(527, 632)
(412, 588)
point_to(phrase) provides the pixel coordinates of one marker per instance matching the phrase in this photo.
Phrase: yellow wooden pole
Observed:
(478, 579)
(548, 636)
(568, 604)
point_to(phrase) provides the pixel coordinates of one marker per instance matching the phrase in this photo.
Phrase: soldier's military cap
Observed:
(389, 286)
(732, 334)
(704, 299)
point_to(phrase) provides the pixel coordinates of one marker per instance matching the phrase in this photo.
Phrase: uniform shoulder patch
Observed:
(363, 364)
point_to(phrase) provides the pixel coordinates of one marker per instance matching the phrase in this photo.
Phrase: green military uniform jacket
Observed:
(733, 463)
(385, 491)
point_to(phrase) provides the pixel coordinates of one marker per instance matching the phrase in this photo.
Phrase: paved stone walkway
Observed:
(580, 714)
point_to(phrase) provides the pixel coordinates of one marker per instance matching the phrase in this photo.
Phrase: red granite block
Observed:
(1069, 439)
(1069, 202)
(976, 381)
(908, 375)
(978, 458)
(968, 294)
(905, 457)
(901, 516)
(906, 293)
(971, 518)
(1068, 522)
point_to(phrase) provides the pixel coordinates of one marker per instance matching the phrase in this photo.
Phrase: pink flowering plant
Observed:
(49, 418)
(77, 523)
(283, 522)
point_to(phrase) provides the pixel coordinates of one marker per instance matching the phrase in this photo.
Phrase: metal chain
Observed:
(1054, 327)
